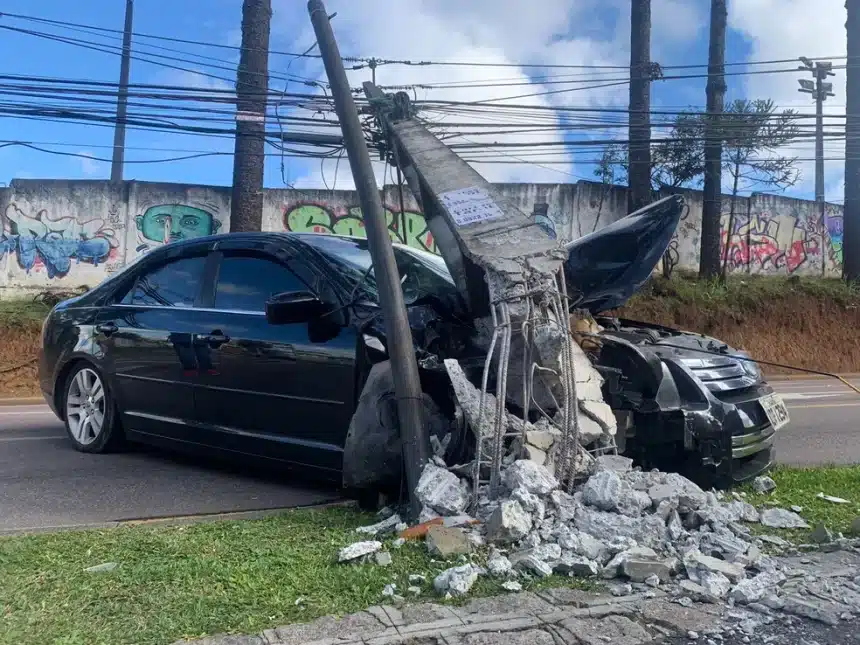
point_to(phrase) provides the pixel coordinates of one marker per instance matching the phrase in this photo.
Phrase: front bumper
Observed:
(728, 428)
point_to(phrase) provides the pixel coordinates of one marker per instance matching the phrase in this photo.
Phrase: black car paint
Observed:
(272, 392)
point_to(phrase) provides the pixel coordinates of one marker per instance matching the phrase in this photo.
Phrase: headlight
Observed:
(751, 368)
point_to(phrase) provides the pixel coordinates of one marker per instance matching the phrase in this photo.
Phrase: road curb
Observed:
(772, 378)
(24, 400)
(174, 520)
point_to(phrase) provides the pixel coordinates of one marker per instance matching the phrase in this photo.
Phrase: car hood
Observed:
(605, 268)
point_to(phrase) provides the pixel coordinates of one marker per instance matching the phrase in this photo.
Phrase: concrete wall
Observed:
(65, 234)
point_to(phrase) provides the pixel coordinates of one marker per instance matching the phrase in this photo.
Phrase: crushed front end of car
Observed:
(688, 403)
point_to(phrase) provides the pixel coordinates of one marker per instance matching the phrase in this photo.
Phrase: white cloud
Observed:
(89, 166)
(512, 32)
(785, 30)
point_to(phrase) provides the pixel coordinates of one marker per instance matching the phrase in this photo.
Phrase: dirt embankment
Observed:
(20, 328)
(811, 323)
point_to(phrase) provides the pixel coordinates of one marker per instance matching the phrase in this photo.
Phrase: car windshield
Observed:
(421, 273)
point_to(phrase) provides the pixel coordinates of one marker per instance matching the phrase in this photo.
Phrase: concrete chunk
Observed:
(763, 484)
(509, 523)
(358, 550)
(615, 463)
(445, 542)
(442, 491)
(780, 518)
(814, 610)
(648, 530)
(640, 570)
(387, 525)
(754, 589)
(533, 565)
(530, 476)
(577, 566)
(695, 562)
(498, 565)
(540, 439)
(456, 581)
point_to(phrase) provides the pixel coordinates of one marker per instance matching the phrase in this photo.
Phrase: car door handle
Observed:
(107, 328)
(215, 339)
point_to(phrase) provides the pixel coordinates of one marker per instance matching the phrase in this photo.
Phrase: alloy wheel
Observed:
(85, 406)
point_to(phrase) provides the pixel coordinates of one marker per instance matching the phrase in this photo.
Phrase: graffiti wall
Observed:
(779, 235)
(66, 234)
(63, 235)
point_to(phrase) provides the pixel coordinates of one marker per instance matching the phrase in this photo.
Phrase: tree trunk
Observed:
(709, 255)
(252, 86)
(639, 148)
(731, 223)
(851, 214)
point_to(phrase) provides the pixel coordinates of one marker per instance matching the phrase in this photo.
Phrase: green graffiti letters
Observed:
(408, 227)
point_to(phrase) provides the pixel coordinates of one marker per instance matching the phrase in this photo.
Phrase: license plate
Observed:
(774, 408)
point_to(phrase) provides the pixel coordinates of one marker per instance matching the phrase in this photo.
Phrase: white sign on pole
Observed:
(470, 205)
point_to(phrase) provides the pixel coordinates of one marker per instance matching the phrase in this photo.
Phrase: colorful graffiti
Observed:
(38, 240)
(408, 227)
(774, 242)
(165, 223)
(833, 226)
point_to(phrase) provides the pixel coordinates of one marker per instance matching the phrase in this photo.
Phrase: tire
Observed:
(92, 421)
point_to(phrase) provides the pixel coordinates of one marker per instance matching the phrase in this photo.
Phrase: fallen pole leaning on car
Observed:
(400, 349)
(509, 270)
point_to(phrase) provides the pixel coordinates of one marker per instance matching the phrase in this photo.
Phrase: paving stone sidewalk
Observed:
(559, 616)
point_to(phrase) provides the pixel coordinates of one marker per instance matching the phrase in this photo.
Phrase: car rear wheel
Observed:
(90, 412)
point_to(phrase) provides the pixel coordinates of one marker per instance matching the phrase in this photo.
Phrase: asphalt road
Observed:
(44, 483)
(825, 423)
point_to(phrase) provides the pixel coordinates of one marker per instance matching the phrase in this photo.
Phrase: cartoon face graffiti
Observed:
(174, 222)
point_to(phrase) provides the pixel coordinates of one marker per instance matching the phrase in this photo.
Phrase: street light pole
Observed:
(820, 91)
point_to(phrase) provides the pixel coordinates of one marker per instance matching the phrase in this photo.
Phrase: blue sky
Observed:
(587, 32)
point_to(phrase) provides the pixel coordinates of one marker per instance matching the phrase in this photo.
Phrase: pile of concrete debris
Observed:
(640, 530)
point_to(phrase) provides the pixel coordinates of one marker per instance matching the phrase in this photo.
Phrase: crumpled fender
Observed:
(373, 453)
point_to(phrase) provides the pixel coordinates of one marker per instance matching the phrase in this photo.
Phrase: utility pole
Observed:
(122, 97)
(410, 410)
(820, 91)
(851, 214)
(252, 87)
(709, 255)
(639, 119)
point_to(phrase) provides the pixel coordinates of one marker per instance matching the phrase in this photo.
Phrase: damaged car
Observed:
(271, 346)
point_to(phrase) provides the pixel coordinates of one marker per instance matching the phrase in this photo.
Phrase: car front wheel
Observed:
(90, 412)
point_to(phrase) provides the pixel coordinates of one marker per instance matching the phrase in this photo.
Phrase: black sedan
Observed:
(251, 344)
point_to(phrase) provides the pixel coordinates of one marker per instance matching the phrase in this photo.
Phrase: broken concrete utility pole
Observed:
(252, 88)
(509, 271)
(410, 411)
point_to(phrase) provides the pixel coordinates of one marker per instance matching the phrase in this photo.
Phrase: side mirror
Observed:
(293, 307)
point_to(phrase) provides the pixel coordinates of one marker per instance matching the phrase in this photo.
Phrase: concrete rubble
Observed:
(646, 533)
(642, 532)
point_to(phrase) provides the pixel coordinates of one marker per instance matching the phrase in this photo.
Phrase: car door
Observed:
(279, 391)
(146, 338)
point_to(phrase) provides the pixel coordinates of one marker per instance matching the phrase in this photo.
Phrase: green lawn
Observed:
(196, 580)
(799, 486)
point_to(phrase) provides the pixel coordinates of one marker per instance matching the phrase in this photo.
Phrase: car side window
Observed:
(245, 282)
(175, 284)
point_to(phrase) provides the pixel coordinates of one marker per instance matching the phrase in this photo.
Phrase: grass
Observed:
(745, 293)
(799, 486)
(197, 580)
(22, 313)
